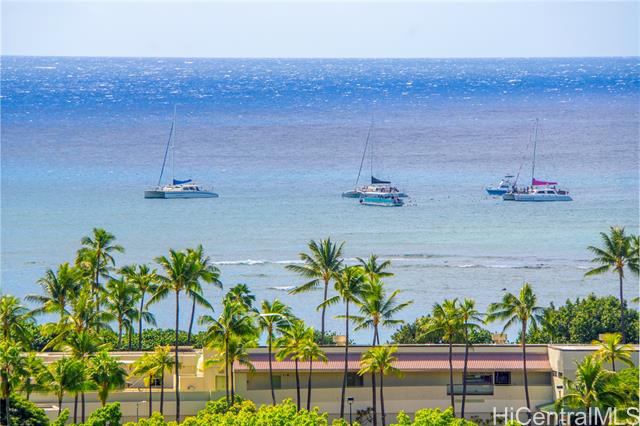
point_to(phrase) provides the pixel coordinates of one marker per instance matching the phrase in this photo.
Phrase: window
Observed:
(156, 381)
(502, 378)
(277, 382)
(354, 380)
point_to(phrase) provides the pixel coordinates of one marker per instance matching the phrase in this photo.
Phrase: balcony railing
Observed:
(471, 389)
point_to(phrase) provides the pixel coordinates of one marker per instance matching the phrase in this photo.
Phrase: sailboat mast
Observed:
(173, 149)
(364, 154)
(166, 150)
(535, 144)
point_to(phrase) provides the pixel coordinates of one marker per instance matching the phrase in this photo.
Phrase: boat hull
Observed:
(179, 194)
(496, 191)
(536, 197)
(351, 194)
(380, 202)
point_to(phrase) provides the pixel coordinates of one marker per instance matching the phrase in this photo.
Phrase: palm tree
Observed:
(142, 368)
(145, 281)
(15, 319)
(349, 285)
(161, 361)
(310, 351)
(60, 378)
(107, 373)
(612, 349)
(32, 370)
(241, 294)
(120, 302)
(591, 388)
(373, 269)
(379, 359)
(234, 322)
(321, 265)
(180, 270)
(376, 309)
(96, 256)
(82, 345)
(83, 317)
(521, 309)
(238, 353)
(469, 316)
(79, 382)
(616, 254)
(57, 287)
(446, 320)
(290, 347)
(207, 273)
(273, 318)
(11, 369)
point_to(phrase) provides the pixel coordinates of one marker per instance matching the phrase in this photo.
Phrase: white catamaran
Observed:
(539, 190)
(377, 186)
(177, 188)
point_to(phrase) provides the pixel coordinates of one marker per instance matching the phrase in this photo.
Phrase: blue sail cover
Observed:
(180, 182)
(374, 181)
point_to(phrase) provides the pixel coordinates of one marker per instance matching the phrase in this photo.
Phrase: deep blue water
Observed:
(281, 139)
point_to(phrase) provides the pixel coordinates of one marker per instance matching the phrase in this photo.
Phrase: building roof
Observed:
(422, 361)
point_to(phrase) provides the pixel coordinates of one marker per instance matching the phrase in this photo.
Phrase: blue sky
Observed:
(320, 29)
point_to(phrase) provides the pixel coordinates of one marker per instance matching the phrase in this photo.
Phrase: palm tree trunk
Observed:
(524, 367)
(297, 385)
(273, 392)
(382, 399)
(7, 407)
(324, 308)
(75, 409)
(226, 369)
(622, 322)
(150, 396)
(453, 401)
(346, 361)
(309, 384)
(162, 393)
(119, 334)
(373, 398)
(140, 322)
(82, 415)
(233, 387)
(613, 364)
(373, 380)
(130, 332)
(177, 384)
(59, 406)
(464, 371)
(193, 313)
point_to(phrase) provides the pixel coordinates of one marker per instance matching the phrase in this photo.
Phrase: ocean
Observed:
(281, 139)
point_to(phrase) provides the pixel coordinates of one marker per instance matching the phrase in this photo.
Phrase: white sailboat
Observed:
(376, 186)
(539, 190)
(177, 188)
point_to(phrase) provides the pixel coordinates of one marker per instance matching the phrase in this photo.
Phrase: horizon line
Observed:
(319, 57)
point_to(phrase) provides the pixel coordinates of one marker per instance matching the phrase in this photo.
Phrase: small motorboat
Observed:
(381, 200)
(503, 187)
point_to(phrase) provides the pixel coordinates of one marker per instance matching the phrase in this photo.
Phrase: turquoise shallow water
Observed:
(280, 140)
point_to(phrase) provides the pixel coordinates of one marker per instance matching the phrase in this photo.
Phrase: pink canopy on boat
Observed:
(536, 182)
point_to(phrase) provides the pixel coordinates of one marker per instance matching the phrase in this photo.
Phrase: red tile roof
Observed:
(438, 361)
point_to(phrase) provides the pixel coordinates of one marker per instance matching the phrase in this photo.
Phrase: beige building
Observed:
(495, 380)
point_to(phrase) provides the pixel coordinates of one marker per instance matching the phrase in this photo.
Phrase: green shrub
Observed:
(432, 417)
(109, 415)
(582, 320)
(25, 413)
